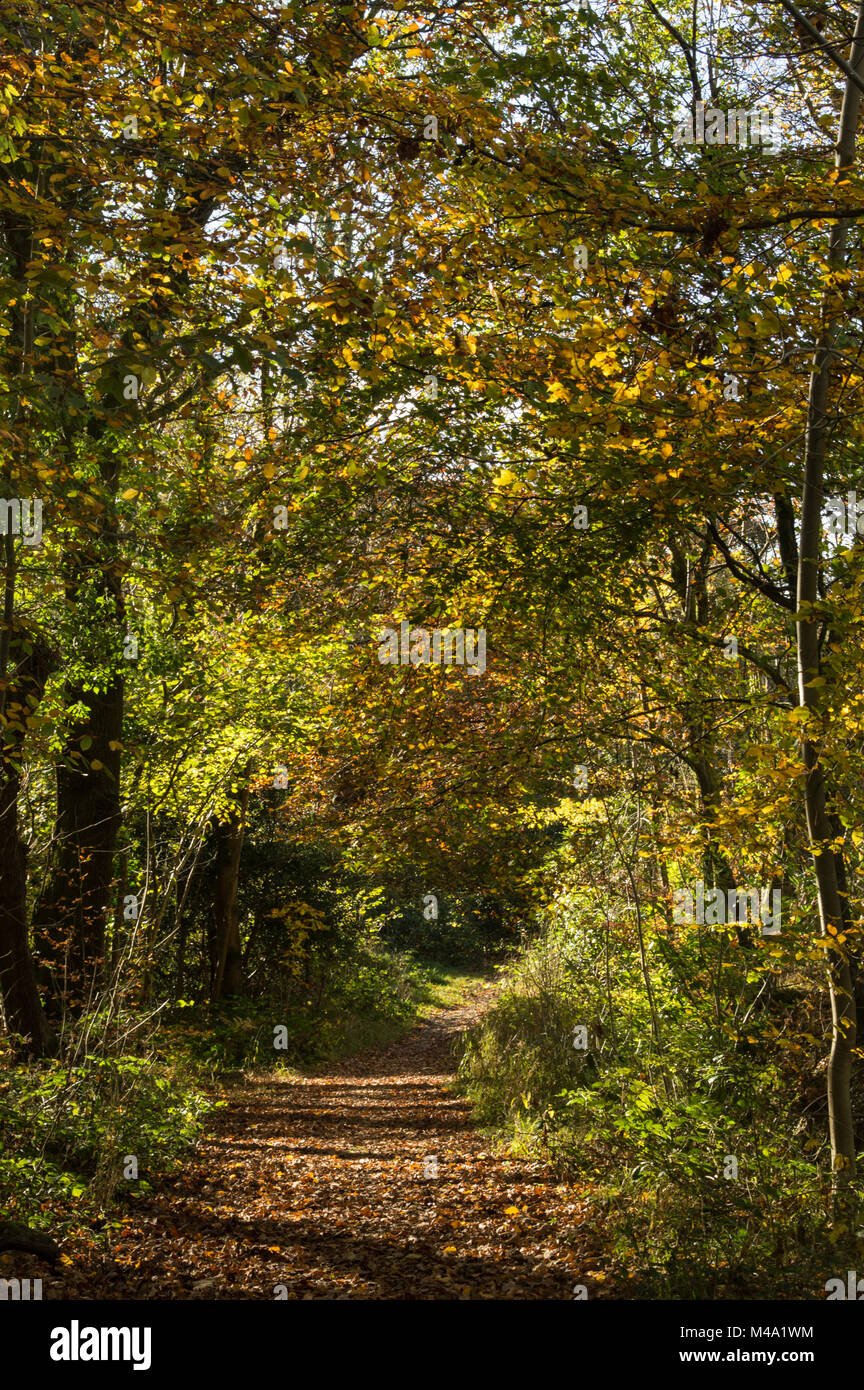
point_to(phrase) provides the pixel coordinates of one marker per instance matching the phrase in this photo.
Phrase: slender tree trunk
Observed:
(716, 869)
(807, 631)
(228, 981)
(691, 583)
(118, 926)
(180, 963)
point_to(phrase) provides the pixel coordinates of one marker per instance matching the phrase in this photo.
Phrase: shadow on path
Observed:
(363, 1181)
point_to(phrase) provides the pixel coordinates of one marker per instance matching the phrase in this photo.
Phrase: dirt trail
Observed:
(323, 1185)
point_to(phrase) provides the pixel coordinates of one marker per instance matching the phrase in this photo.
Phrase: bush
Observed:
(668, 1137)
(344, 1003)
(66, 1128)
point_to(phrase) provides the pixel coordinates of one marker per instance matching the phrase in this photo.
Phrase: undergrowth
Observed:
(129, 1097)
(698, 1148)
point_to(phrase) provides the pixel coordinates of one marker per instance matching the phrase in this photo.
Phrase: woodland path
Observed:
(317, 1183)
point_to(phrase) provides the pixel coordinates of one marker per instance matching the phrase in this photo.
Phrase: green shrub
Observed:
(648, 1125)
(65, 1128)
(345, 1003)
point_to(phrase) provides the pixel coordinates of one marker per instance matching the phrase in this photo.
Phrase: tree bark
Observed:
(71, 916)
(25, 1018)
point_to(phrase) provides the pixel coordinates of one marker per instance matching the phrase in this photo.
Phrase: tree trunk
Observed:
(70, 919)
(21, 1005)
(691, 584)
(807, 634)
(228, 980)
(716, 869)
